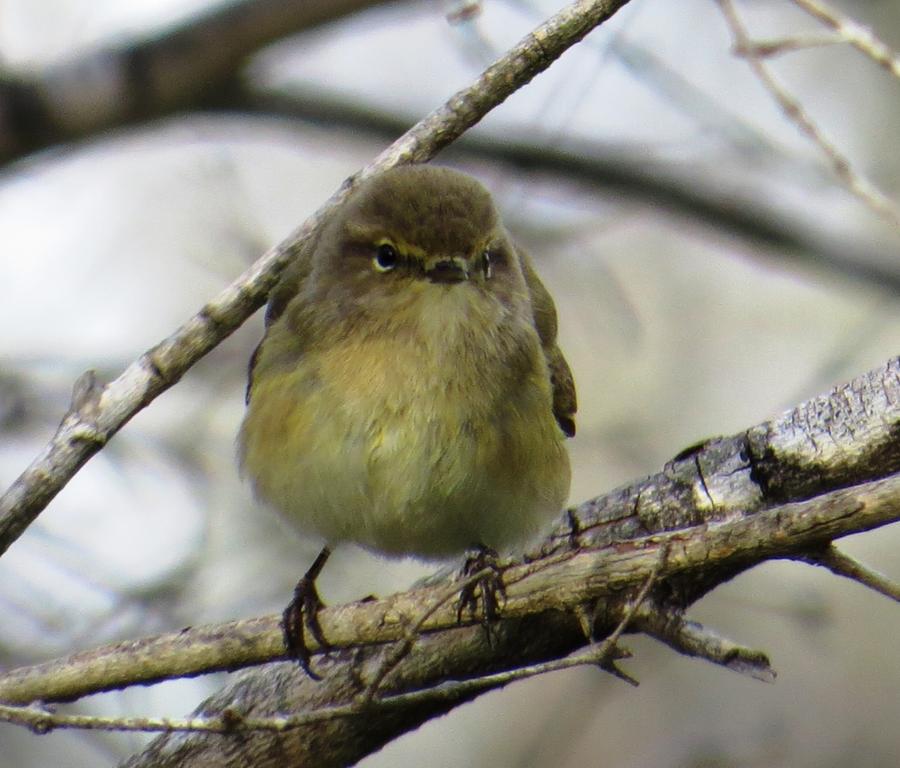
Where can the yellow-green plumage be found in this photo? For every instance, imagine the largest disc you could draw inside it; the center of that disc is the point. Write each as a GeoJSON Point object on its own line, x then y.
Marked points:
{"type": "Point", "coordinates": [408, 409]}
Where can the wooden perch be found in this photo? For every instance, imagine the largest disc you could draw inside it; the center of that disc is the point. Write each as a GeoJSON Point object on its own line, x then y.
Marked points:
{"type": "Point", "coordinates": [783, 489]}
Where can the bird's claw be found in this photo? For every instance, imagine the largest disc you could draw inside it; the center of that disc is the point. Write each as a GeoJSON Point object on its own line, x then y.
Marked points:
{"type": "Point", "coordinates": [488, 589]}
{"type": "Point", "coordinates": [302, 615]}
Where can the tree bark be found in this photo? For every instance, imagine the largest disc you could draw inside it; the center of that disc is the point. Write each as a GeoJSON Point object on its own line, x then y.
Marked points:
{"type": "Point", "coordinates": [786, 488]}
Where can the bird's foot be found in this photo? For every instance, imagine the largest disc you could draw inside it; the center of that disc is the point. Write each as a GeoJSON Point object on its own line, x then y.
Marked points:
{"type": "Point", "coordinates": [484, 584]}
{"type": "Point", "coordinates": [302, 614]}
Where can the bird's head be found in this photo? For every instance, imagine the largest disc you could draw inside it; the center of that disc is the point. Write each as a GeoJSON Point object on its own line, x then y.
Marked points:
{"type": "Point", "coordinates": [416, 236]}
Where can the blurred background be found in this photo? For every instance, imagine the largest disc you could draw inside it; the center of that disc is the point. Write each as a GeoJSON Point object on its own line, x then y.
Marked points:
{"type": "Point", "coordinates": [709, 269]}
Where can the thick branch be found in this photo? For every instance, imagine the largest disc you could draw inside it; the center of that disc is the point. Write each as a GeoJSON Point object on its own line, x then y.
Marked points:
{"type": "Point", "coordinates": [601, 576]}
{"type": "Point", "coordinates": [98, 413]}
{"type": "Point", "coordinates": [785, 488]}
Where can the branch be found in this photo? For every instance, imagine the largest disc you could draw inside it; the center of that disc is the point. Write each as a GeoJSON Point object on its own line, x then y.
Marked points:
{"type": "Point", "coordinates": [609, 170]}
{"type": "Point", "coordinates": [848, 31]}
{"type": "Point", "coordinates": [42, 720]}
{"type": "Point", "coordinates": [97, 413]}
{"type": "Point", "coordinates": [587, 574]}
{"type": "Point", "coordinates": [795, 112]}
{"type": "Point", "coordinates": [159, 75]}
{"type": "Point", "coordinates": [782, 489]}
{"type": "Point", "coordinates": [842, 564]}
{"type": "Point", "coordinates": [689, 638]}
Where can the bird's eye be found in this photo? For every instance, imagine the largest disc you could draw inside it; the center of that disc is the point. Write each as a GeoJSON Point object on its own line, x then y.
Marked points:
{"type": "Point", "coordinates": [386, 257]}
{"type": "Point", "coordinates": [486, 260]}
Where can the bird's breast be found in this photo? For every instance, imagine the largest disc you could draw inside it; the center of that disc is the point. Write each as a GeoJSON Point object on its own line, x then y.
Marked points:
{"type": "Point", "coordinates": [424, 443]}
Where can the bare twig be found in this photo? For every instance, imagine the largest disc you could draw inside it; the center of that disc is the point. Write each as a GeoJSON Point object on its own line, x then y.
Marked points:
{"type": "Point", "coordinates": [404, 646]}
{"type": "Point", "coordinates": [606, 651]}
{"type": "Point", "coordinates": [855, 34]}
{"type": "Point", "coordinates": [43, 721]}
{"type": "Point", "coordinates": [794, 111]}
{"type": "Point", "coordinates": [163, 365]}
{"type": "Point", "coordinates": [780, 45]}
{"type": "Point", "coordinates": [669, 626]}
{"type": "Point", "coordinates": [842, 564]}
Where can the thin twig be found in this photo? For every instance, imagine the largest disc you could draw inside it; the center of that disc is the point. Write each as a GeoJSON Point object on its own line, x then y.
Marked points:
{"type": "Point", "coordinates": [854, 34]}
{"type": "Point", "coordinates": [42, 721]}
{"type": "Point", "coordinates": [606, 651]}
{"type": "Point", "coordinates": [669, 625]}
{"type": "Point", "coordinates": [794, 111]}
{"type": "Point", "coordinates": [404, 646]}
{"type": "Point", "coordinates": [780, 45]}
{"type": "Point", "coordinates": [842, 564]}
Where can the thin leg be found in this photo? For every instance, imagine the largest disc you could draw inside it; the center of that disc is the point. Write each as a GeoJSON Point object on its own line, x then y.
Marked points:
{"type": "Point", "coordinates": [303, 611]}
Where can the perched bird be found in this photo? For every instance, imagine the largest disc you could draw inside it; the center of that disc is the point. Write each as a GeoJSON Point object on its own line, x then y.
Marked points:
{"type": "Point", "coordinates": [409, 395]}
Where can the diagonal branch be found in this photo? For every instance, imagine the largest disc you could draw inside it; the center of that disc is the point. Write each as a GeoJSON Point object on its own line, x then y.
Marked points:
{"type": "Point", "coordinates": [842, 564]}
{"type": "Point", "coordinates": [614, 171]}
{"type": "Point", "coordinates": [97, 413]}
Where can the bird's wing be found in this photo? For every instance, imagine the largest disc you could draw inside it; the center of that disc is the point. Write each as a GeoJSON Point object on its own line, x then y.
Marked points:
{"type": "Point", "coordinates": [565, 403]}
{"type": "Point", "coordinates": [285, 289]}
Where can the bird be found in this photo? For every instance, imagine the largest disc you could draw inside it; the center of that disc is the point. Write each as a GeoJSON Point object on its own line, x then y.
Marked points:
{"type": "Point", "coordinates": [409, 394]}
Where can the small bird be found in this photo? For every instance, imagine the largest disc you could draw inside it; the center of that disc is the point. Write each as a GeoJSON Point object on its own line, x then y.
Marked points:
{"type": "Point", "coordinates": [409, 395]}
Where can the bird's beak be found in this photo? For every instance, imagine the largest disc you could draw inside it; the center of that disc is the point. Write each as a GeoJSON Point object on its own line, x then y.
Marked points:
{"type": "Point", "coordinates": [449, 271]}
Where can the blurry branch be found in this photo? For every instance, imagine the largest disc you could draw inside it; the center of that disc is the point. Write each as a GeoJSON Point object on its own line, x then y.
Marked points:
{"type": "Point", "coordinates": [777, 46]}
{"type": "Point", "coordinates": [635, 558]}
{"type": "Point", "coordinates": [174, 70]}
{"type": "Point", "coordinates": [793, 110]}
{"type": "Point", "coordinates": [98, 412]}
{"type": "Point", "coordinates": [708, 111]}
{"type": "Point", "coordinates": [848, 31]}
{"type": "Point", "coordinates": [712, 114]}
{"type": "Point", "coordinates": [199, 64]}
{"type": "Point", "coordinates": [607, 170]}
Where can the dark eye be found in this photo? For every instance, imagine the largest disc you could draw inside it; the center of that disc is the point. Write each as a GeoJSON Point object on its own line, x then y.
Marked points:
{"type": "Point", "coordinates": [386, 257]}
{"type": "Point", "coordinates": [486, 260]}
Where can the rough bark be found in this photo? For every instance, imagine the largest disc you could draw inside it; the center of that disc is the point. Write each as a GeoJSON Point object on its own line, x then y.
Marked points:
{"type": "Point", "coordinates": [783, 489]}
{"type": "Point", "coordinates": [786, 488]}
